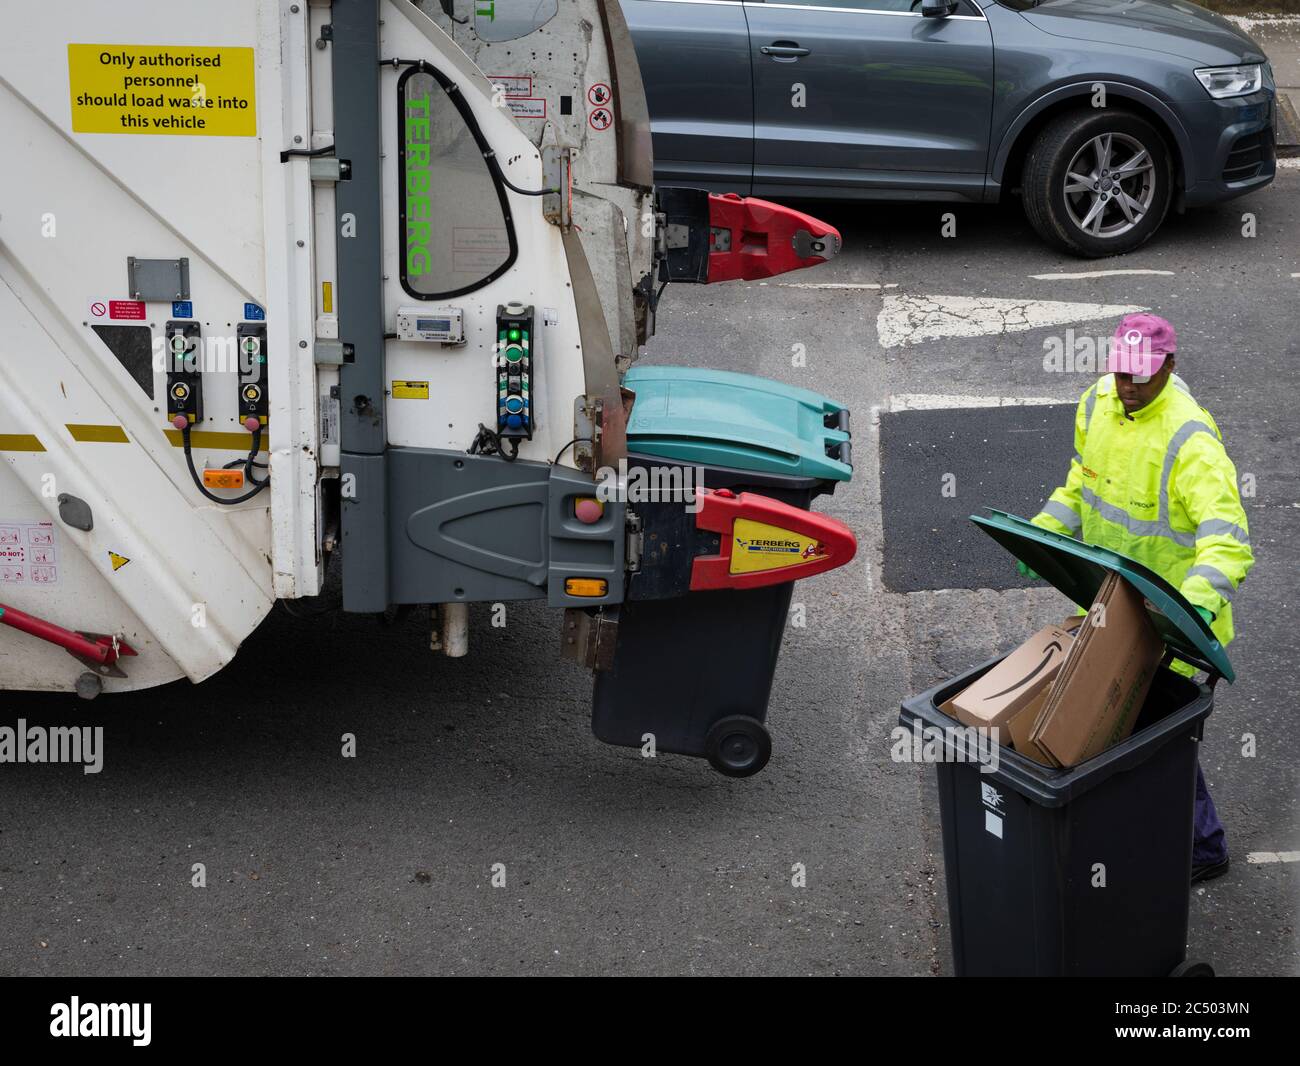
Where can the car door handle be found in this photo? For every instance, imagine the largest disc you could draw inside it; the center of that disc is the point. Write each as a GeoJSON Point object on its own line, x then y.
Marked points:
{"type": "Point", "coordinates": [784, 50]}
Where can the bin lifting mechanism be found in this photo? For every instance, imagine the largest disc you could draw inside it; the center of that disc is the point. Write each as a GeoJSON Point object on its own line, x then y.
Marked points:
{"type": "Point", "coordinates": [765, 542]}
{"type": "Point", "coordinates": [99, 651]}
{"type": "Point", "coordinates": [751, 238]}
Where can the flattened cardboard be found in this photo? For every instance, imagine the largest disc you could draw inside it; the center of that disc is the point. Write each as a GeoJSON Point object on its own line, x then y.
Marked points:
{"type": "Point", "coordinates": [1017, 681]}
{"type": "Point", "coordinates": [1100, 688]}
{"type": "Point", "coordinates": [1021, 726]}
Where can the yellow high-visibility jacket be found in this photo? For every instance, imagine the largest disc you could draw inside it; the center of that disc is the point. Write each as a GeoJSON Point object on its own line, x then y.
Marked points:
{"type": "Point", "coordinates": [1157, 487]}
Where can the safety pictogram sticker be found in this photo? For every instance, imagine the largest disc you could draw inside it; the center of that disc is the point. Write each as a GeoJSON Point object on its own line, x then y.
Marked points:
{"type": "Point", "coordinates": [600, 119]}
{"type": "Point", "coordinates": [117, 561]}
{"type": "Point", "coordinates": [98, 309]}
{"type": "Point", "coordinates": [600, 94]}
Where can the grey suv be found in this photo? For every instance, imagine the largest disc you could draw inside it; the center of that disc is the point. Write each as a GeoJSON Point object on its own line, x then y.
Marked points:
{"type": "Point", "coordinates": [1101, 113]}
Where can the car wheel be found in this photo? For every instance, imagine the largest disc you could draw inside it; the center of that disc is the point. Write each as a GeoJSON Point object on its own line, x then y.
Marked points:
{"type": "Point", "coordinates": [1097, 184]}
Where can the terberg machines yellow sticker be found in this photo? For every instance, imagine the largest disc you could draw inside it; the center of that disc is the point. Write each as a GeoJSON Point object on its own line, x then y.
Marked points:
{"type": "Point", "coordinates": [759, 546]}
{"type": "Point", "coordinates": [172, 89]}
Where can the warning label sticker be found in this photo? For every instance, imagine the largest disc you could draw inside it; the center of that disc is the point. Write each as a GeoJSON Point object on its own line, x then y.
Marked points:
{"type": "Point", "coordinates": [29, 553]}
{"type": "Point", "coordinates": [132, 309]}
{"type": "Point", "coordinates": [410, 390]}
{"type": "Point", "coordinates": [513, 85]}
{"type": "Point", "coordinates": [529, 107]}
{"type": "Point", "coordinates": [162, 89]}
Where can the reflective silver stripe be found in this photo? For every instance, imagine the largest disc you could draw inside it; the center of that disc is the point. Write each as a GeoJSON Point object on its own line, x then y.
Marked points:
{"type": "Point", "coordinates": [1217, 578]}
{"type": "Point", "coordinates": [1078, 458]}
{"type": "Point", "coordinates": [1067, 516]}
{"type": "Point", "coordinates": [1089, 402]}
{"type": "Point", "coordinates": [1221, 527]}
{"type": "Point", "coordinates": [1181, 436]}
{"type": "Point", "coordinates": [1139, 527]}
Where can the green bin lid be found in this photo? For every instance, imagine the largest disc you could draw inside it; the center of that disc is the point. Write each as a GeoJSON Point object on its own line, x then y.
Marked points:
{"type": "Point", "coordinates": [1079, 569]}
{"type": "Point", "coordinates": [721, 418]}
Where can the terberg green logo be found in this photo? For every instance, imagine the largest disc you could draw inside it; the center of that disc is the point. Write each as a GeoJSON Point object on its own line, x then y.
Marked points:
{"type": "Point", "coordinates": [418, 210]}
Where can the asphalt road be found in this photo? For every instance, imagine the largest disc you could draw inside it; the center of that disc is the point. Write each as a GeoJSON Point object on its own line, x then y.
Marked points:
{"type": "Point", "coordinates": [384, 863]}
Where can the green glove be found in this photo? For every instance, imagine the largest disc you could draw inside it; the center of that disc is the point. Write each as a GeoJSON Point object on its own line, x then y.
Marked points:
{"type": "Point", "coordinates": [1205, 614]}
{"type": "Point", "coordinates": [1024, 571]}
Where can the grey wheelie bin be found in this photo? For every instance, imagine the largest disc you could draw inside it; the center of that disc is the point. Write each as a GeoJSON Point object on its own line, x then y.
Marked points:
{"type": "Point", "coordinates": [1026, 847]}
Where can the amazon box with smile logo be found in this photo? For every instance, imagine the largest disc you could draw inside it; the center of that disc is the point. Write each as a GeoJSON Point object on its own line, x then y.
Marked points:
{"type": "Point", "coordinates": [1101, 687]}
{"type": "Point", "coordinates": [1009, 696]}
{"type": "Point", "coordinates": [1063, 697]}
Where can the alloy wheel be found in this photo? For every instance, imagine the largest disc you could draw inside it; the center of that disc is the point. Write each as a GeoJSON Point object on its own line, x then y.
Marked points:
{"type": "Point", "coordinates": [1109, 185]}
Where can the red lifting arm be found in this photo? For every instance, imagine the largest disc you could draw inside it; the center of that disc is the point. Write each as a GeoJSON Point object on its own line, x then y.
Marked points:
{"type": "Point", "coordinates": [751, 238]}
{"type": "Point", "coordinates": [94, 649]}
{"type": "Point", "coordinates": [766, 542]}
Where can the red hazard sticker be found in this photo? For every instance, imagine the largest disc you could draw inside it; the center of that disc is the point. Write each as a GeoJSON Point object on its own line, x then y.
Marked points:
{"type": "Point", "coordinates": [600, 119]}
{"type": "Point", "coordinates": [98, 309]}
{"type": "Point", "coordinates": [132, 309]}
{"type": "Point", "coordinates": [600, 94]}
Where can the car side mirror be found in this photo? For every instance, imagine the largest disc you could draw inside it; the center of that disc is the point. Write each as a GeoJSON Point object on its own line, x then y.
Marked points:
{"type": "Point", "coordinates": [937, 9]}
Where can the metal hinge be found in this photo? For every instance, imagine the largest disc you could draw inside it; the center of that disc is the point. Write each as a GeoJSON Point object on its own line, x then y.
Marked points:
{"type": "Point", "coordinates": [329, 168]}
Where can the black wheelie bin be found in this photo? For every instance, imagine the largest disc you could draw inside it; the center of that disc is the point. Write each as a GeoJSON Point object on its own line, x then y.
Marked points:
{"type": "Point", "coordinates": [1081, 871]}
{"type": "Point", "coordinates": [695, 668]}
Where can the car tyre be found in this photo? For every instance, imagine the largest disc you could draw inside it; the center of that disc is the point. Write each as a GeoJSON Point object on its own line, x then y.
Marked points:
{"type": "Point", "coordinates": [1097, 183]}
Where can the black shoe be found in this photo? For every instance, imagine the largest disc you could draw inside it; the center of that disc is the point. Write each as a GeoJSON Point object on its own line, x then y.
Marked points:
{"type": "Point", "coordinates": [1209, 871]}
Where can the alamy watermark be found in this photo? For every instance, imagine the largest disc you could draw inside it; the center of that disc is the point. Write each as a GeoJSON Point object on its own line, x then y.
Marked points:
{"type": "Point", "coordinates": [651, 484]}
{"type": "Point", "coordinates": [956, 743]}
{"type": "Point", "coordinates": [25, 743]}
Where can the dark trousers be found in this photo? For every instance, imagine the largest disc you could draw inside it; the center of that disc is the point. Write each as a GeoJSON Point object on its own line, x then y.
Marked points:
{"type": "Point", "coordinates": [1209, 846]}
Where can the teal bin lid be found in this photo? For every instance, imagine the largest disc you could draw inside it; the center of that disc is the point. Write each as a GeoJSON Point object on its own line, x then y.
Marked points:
{"type": "Point", "coordinates": [1078, 570]}
{"type": "Point", "coordinates": [720, 418]}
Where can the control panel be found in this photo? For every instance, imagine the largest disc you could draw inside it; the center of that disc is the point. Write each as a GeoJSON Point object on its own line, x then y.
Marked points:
{"type": "Point", "coordinates": [443, 325]}
{"type": "Point", "coordinates": [514, 371]}
{"type": "Point", "coordinates": [252, 375]}
{"type": "Point", "coordinates": [184, 373]}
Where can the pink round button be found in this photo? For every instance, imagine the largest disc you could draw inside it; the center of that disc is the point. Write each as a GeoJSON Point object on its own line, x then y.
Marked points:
{"type": "Point", "coordinates": [252, 424]}
{"type": "Point", "coordinates": [180, 421]}
{"type": "Point", "coordinates": [588, 510]}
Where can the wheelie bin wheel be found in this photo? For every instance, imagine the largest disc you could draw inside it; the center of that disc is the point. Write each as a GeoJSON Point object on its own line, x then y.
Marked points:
{"type": "Point", "coordinates": [1188, 968]}
{"type": "Point", "coordinates": [738, 746]}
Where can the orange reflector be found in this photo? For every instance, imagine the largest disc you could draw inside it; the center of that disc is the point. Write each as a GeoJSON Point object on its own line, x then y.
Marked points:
{"type": "Point", "coordinates": [223, 479]}
{"type": "Point", "coordinates": [585, 586]}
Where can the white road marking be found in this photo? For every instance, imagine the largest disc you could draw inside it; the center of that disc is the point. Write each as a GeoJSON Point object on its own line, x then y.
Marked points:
{"type": "Point", "coordinates": [1273, 856]}
{"type": "Point", "coordinates": [1290, 162]}
{"type": "Point", "coordinates": [1250, 23]}
{"type": "Point", "coordinates": [1099, 274]}
{"type": "Point", "coordinates": [1295, 275]}
{"type": "Point", "coordinates": [833, 285]}
{"type": "Point", "coordinates": [907, 319]}
{"type": "Point", "coordinates": [925, 401]}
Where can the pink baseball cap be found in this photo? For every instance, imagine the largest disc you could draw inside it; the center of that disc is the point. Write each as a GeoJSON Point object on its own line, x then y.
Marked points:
{"type": "Point", "coordinates": [1140, 345]}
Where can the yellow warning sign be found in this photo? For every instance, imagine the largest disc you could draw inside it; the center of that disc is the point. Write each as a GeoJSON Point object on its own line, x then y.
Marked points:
{"type": "Point", "coordinates": [410, 390]}
{"type": "Point", "coordinates": [118, 561]}
{"type": "Point", "coordinates": [759, 546]}
{"type": "Point", "coordinates": [176, 89]}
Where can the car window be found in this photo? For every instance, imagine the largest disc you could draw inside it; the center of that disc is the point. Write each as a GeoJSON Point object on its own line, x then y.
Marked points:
{"type": "Point", "coordinates": [856, 5]}
{"type": "Point", "coordinates": [964, 7]}
{"type": "Point", "coordinates": [456, 232]}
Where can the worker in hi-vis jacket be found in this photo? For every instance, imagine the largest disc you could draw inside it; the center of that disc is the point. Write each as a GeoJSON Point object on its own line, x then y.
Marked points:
{"type": "Point", "coordinates": [1150, 479]}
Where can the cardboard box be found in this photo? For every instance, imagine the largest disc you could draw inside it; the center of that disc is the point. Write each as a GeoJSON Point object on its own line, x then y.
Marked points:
{"type": "Point", "coordinates": [1021, 727]}
{"type": "Point", "coordinates": [1070, 691]}
{"type": "Point", "coordinates": [1099, 690]}
{"type": "Point", "coordinates": [1019, 680]}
